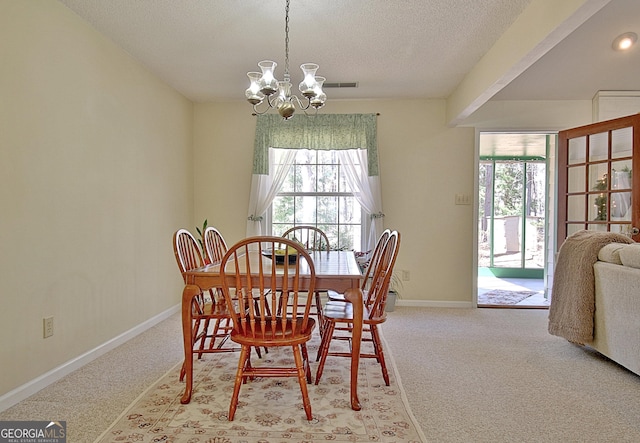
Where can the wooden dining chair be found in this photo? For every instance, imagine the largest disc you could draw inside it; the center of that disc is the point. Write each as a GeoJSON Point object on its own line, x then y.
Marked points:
{"type": "Point", "coordinates": [215, 244]}
{"type": "Point", "coordinates": [245, 270]}
{"type": "Point", "coordinates": [340, 313]}
{"type": "Point", "coordinates": [206, 307]}
{"type": "Point", "coordinates": [313, 239]}
{"type": "Point", "coordinates": [338, 297]}
{"type": "Point", "coordinates": [369, 270]}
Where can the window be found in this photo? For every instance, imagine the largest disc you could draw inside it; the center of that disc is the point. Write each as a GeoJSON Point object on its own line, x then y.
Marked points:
{"type": "Point", "coordinates": [316, 193]}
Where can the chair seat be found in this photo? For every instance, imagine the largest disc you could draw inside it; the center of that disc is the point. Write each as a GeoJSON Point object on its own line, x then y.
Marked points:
{"type": "Point", "coordinates": [337, 311]}
{"type": "Point", "coordinates": [275, 334]}
{"type": "Point", "coordinates": [337, 296]}
{"type": "Point", "coordinates": [213, 310]}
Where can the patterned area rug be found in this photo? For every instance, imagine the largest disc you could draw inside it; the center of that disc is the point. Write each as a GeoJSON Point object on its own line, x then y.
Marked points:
{"type": "Point", "coordinates": [502, 297]}
{"type": "Point", "coordinates": [270, 409]}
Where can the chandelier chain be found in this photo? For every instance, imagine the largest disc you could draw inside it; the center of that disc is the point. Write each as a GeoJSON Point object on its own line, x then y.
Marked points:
{"type": "Point", "coordinates": [286, 42]}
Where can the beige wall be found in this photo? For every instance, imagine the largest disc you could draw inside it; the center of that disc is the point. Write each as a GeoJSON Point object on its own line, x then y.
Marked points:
{"type": "Point", "coordinates": [423, 164]}
{"type": "Point", "coordinates": [95, 175]}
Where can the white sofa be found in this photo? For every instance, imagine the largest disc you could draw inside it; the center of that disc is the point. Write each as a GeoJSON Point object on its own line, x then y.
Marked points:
{"type": "Point", "coordinates": [617, 304]}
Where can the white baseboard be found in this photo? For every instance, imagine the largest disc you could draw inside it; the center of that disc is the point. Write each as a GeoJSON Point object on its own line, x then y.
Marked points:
{"type": "Point", "coordinates": [435, 304]}
{"type": "Point", "coordinates": [28, 389]}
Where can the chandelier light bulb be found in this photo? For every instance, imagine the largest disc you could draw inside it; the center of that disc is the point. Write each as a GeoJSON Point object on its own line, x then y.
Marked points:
{"type": "Point", "coordinates": [308, 84]}
{"type": "Point", "coordinates": [319, 97]}
{"type": "Point", "coordinates": [253, 94]}
{"type": "Point", "coordinates": [268, 83]}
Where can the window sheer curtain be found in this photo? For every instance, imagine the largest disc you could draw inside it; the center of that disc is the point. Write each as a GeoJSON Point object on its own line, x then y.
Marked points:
{"type": "Point", "coordinates": [355, 134]}
{"type": "Point", "coordinates": [264, 188]}
{"type": "Point", "coordinates": [367, 190]}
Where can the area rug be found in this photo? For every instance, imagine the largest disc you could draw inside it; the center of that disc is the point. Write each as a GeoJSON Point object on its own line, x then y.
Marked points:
{"type": "Point", "coordinates": [503, 297]}
{"type": "Point", "coordinates": [270, 409]}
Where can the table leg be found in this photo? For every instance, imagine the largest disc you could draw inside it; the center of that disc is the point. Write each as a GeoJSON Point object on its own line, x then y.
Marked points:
{"type": "Point", "coordinates": [189, 292]}
{"type": "Point", "coordinates": [354, 296]}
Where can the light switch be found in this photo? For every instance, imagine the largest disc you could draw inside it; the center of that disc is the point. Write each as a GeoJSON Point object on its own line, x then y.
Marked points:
{"type": "Point", "coordinates": [463, 199]}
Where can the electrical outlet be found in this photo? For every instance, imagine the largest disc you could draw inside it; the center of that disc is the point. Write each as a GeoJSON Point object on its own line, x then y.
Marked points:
{"type": "Point", "coordinates": [47, 324]}
{"type": "Point", "coordinates": [406, 275]}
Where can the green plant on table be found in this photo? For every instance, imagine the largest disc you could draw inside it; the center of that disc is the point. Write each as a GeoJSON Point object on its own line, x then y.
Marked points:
{"type": "Point", "coordinates": [201, 239]}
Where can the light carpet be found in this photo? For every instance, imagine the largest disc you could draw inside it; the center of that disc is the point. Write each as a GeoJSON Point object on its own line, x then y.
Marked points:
{"type": "Point", "coordinates": [270, 409]}
{"type": "Point", "coordinates": [503, 297]}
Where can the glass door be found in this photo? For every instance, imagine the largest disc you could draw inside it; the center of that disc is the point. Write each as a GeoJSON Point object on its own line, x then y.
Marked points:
{"type": "Point", "coordinates": [512, 219]}
{"type": "Point", "coordinates": [596, 180]}
{"type": "Point", "coordinates": [512, 205]}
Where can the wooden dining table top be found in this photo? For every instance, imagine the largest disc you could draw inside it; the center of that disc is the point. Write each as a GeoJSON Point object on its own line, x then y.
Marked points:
{"type": "Point", "coordinates": [335, 270]}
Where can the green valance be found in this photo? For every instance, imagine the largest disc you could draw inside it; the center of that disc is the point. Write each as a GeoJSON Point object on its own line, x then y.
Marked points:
{"type": "Point", "coordinates": [320, 132]}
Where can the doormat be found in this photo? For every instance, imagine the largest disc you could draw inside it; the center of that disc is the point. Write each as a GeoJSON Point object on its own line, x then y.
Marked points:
{"type": "Point", "coordinates": [502, 297]}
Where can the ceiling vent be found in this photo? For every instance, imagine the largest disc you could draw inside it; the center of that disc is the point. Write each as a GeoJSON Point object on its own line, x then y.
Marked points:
{"type": "Point", "coordinates": [340, 85]}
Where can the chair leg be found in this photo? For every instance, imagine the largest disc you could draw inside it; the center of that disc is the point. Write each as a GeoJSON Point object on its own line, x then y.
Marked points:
{"type": "Point", "coordinates": [240, 377]}
{"type": "Point", "coordinates": [203, 336]}
{"type": "Point", "coordinates": [324, 348]}
{"type": "Point", "coordinates": [377, 346]}
{"type": "Point", "coordinates": [322, 337]}
{"type": "Point", "coordinates": [305, 360]}
{"type": "Point", "coordinates": [302, 381]}
{"type": "Point", "coordinates": [319, 312]}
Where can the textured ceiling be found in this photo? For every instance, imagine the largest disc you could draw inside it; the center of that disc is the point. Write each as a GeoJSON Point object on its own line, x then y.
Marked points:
{"type": "Point", "coordinates": [584, 62]}
{"type": "Point", "coordinates": [392, 49]}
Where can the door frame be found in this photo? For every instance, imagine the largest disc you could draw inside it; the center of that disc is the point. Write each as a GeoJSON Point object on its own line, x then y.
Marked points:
{"type": "Point", "coordinates": [550, 201]}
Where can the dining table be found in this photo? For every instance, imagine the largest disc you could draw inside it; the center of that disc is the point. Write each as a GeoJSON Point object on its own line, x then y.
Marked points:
{"type": "Point", "coordinates": [334, 270]}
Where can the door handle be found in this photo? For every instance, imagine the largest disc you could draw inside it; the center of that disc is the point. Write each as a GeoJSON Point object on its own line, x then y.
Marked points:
{"type": "Point", "coordinates": [635, 231]}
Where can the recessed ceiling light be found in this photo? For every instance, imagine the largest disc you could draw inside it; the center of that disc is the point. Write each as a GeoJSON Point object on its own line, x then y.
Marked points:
{"type": "Point", "coordinates": [625, 41]}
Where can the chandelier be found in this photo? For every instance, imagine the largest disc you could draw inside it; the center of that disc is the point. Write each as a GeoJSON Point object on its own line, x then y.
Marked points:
{"type": "Point", "coordinates": [276, 94]}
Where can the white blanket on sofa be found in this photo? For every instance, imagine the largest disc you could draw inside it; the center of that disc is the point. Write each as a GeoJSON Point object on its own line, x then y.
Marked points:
{"type": "Point", "coordinates": [573, 291]}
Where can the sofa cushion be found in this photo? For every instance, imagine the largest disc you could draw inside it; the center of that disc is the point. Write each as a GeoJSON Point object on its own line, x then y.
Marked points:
{"type": "Point", "coordinates": [610, 253]}
{"type": "Point", "coordinates": [630, 255]}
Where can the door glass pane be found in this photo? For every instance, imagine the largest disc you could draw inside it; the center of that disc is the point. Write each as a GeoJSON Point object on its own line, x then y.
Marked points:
{"type": "Point", "coordinates": [624, 228]}
{"type": "Point", "coordinates": [534, 212]}
{"type": "Point", "coordinates": [485, 205]}
{"type": "Point", "coordinates": [575, 208]}
{"type": "Point", "coordinates": [621, 172]}
{"type": "Point", "coordinates": [576, 179]}
{"type": "Point", "coordinates": [509, 182]}
{"type": "Point", "coordinates": [621, 142]}
{"type": "Point", "coordinates": [598, 146]}
{"type": "Point", "coordinates": [598, 177]}
{"type": "Point", "coordinates": [572, 229]}
{"type": "Point", "coordinates": [577, 150]}
{"type": "Point", "coordinates": [598, 207]}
